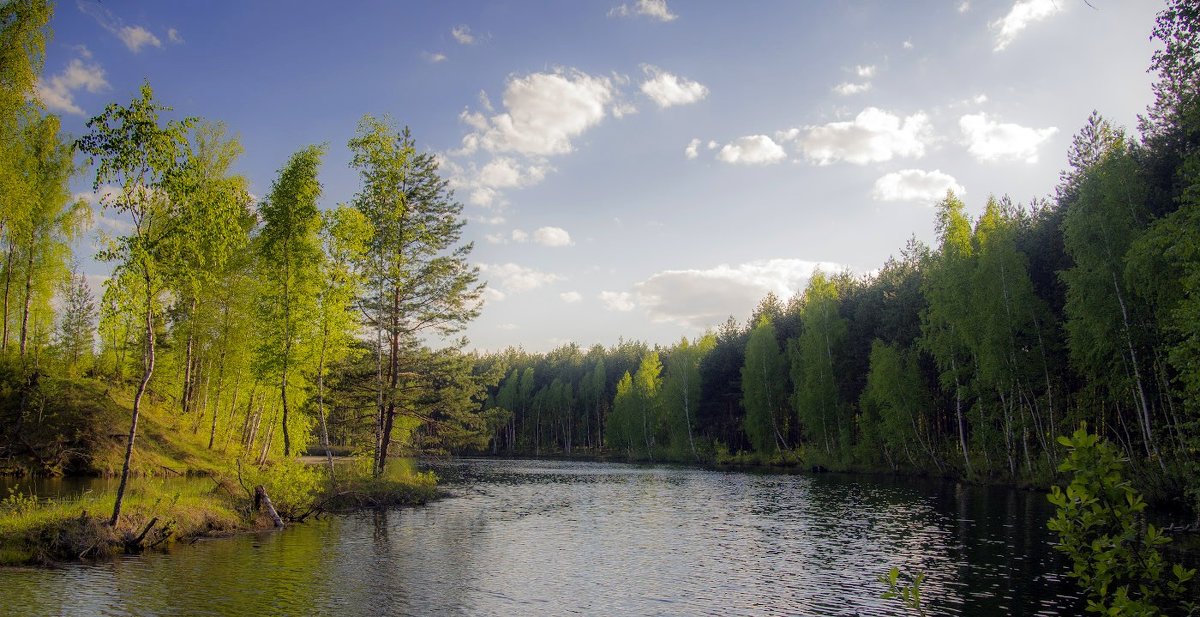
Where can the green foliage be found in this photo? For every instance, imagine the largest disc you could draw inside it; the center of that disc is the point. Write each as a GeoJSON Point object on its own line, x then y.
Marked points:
{"type": "Point", "coordinates": [907, 593]}
{"type": "Point", "coordinates": [18, 503]}
{"type": "Point", "coordinates": [290, 257]}
{"type": "Point", "coordinates": [813, 353]}
{"type": "Point", "coordinates": [293, 486]}
{"type": "Point", "coordinates": [1100, 524]}
{"type": "Point", "coordinates": [764, 388]}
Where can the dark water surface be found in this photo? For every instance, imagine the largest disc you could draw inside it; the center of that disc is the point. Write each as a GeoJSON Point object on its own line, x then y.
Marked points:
{"type": "Point", "coordinates": [576, 538]}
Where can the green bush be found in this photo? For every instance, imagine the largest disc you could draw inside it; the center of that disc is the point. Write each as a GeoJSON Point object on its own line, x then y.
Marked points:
{"type": "Point", "coordinates": [1102, 528]}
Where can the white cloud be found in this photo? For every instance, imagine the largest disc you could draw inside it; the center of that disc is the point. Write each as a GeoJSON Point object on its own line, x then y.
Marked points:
{"type": "Point", "coordinates": [666, 89]}
{"type": "Point", "coordinates": [491, 294]}
{"type": "Point", "coordinates": [57, 92]}
{"type": "Point", "coordinates": [514, 278]}
{"type": "Point", "coordinates": [495, 239]}
{"type": "Point", "coordinates": [620, 301]}
{"type": "Point", "coordinates": [503, 173]}
{"type": "Point", "coordinates": [692, 150]}
{"type": "Point", "coordinates": [874, 136]}
{"type": "Point", "coordinates": [507, 326]}
{"type": "Point", "coordinates": [989, 140]}
{"type": "Point", "coordinates": [848, 88]}
{"type": "Point", "coordinates": [544, 111]}
{"type": "Point", "coordinates": [865, 72]}
{"type": "Point", "coordinates": [654, 9]}
{"type": "Point", "coordinates": [915, 185]}
{"type": "Point", "coordinates": [1022, 14]}
{"type": "Point", "coordinates": [174, 36]}
{"type": "Point", "coordinates": [751, 150]}
{"type": "Point", "coordinates": [552, 236]}
{"type": "Point", "coordinates": [908, 44]}
{"type": "Point", "coordinates": [964, 6]}
{"type": "Point", "coordinates": [137, 37]}
{"type": "Point", "coordinates": [483, 184]}
{"type": "Point", "coordinates": [780, 136]}
{"type": "Point", "coordinates": [704, 298]}
{"type": "Point", "coordinates": [462, 34]}
{"type": "Point", "coordinates": [571, 297]}
{"type": "Point", "coordinates": [519, 236]}
{"type": "Point", "coordinates": [620, 110]}
{"type": "Point", "coordinates": [134, 37]}
{"type": "Point", "coordinates": [434, 57]}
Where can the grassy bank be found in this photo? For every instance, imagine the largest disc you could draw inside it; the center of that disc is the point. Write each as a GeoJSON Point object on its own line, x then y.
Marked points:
{"type": "Point", "coordinates": [180, 490]}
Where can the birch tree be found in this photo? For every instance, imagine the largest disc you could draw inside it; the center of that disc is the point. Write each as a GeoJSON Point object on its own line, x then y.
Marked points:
{"type": "Point", "coordinates": [138, 154]}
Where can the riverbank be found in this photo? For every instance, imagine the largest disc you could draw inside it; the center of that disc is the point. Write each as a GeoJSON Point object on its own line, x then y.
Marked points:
{"type": "Point", "coordinates": [160, 512]}
{"type": "Point", "coordinates": [181, 487]}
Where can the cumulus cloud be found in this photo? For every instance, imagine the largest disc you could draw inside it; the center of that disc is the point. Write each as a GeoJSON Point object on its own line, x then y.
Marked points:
{"type": "Point", "coordinates": [571, 297]}
{"type": "Point", "coordinates": [666, 89]}
{"type": "Point", "coordinates": [433, 57]}
{"type": "Point", "coordinates": [174, 36]}
{"type": "Point", "coordinates": [57, 92]}
{"type": "Point", "coordinates": [874, 136]}
{"type": "Point", "coordinates": [848, 88]}
{"type": "Point", "coordinates": [504, 173]}
{"type": "Point", "coordinates": [1020, 16]}
{"type": "Point", "coordinates": [483, 185]}
{"type": "Point", "coordinates": [692, 150]}
{"type": "Point", "coordinates": [462, 34]}
{"type": "Point", "coordinates": [514, 278]}
{"type": "Point", "coordinates": [751, 150]}
{"type": "Point", "coordinates": [552, 236]}
{"type": "Point", "coordinates": [519, 236]}
{"type": "Point", "coordinates": [543, 113]}
{"type": "Point", "coordinates": [865, 72]}
{"type": "Point", "coordinates": [620, 301]}
{"type": "Point", "coordinates": [989, 140]}
{"type": "Point", "coordinates": [654, 9]}
{"type": "Point", "coordinates": [705, 298]}
{"type": "Point", "coordinates": [915, 185]}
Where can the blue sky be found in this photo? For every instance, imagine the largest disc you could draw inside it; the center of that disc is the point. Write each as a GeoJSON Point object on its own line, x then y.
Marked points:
{"type": "Point", "coordinates": [638, 169]}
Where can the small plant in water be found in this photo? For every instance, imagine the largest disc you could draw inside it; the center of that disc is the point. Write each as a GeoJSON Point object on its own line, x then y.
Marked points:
{"type": "Point", "coordinates": [907, 593]}
{"type": "Point", "coordinates": [18, 503]}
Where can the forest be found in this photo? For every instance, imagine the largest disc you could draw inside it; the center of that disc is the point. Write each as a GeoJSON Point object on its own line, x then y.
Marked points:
{"type": "Point", "coordinates": [271, 328]}
{"type": "Point", "coordinates": [963, 359]}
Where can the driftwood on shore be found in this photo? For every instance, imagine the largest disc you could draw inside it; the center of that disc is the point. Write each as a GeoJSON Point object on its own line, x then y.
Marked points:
{"type": "Point", "coordinates": [261, 500]}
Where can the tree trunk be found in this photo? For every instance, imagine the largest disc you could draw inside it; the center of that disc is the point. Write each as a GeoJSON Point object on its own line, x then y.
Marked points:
{"type": "Point", "coordinates": [148, 370]}
{"type": "Point", "coordinates": [321, 401]}
{"type": "Point", "coordinates": [261, 501]}
{"type": "Point", "coordinates": [962, 427]}
{"type": "Point", "coordinates": [189, 358]}
{"type": "Point", "coordinates": [7, 287]}
{"type": "Point", "coordinates": [28, 298]}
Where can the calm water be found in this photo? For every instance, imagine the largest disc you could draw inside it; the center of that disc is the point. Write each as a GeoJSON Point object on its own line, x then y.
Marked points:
{"type": "Point", "coordinates": [563, 538]}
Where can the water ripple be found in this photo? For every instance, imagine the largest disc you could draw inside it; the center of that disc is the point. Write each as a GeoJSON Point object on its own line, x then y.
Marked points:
{"type": "Point", "coordinates": [567, 538]}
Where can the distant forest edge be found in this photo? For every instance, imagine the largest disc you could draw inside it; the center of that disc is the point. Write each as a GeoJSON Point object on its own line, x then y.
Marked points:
{"type": "Point", "coordinates": [968, 358]}
{"type": "Point", "coordinates": [273, 327]}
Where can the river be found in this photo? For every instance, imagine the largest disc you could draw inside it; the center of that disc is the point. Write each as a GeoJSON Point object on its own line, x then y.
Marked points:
{"type": "Point", "coordinates": [582, 538]}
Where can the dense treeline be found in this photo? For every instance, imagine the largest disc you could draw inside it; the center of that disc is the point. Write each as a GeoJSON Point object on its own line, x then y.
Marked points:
{"type": "Point", "coordinates": [256, 321]}
{"type": "Point", "coordinates": [966, 358]}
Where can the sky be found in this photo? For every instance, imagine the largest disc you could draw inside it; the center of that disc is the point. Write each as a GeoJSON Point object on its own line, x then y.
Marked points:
{"type": "Point", "coordinates": [640, 169]}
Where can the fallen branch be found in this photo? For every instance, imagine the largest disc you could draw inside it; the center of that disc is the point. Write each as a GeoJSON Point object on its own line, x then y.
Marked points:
{"type": "Point", "coordinates": [262, 500]}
